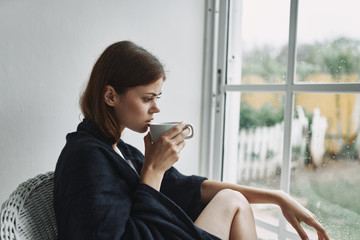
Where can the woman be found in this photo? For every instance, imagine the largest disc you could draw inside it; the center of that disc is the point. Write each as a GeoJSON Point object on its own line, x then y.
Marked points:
{"type": "Point", "coordinates": [107, 189]}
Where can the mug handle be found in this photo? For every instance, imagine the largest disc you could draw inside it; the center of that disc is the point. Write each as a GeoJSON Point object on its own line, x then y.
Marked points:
{"type": "Point", "coordinates": [192, 131]}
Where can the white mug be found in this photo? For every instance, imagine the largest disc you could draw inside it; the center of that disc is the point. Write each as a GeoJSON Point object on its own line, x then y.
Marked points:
{"type": "Point", "coordinates": [158, 129]}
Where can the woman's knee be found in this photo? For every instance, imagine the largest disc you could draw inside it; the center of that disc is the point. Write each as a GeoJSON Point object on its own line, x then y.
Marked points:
{"type": "Point", "coordinates": [228, 210]}
{"type": "Point", "coordinates": [234, 199]}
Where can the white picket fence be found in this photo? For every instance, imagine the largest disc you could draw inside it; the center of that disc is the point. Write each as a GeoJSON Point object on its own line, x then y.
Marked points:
{"type": "Point", "coordinates": [260, 150]}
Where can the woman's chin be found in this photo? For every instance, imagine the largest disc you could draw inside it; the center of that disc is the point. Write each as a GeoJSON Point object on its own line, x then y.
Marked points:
{"type": "Point", "coordinates": [141, 130]}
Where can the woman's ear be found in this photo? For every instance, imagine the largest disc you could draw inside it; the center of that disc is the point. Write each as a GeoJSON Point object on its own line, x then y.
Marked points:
{"type": "Point", "coordinates": [110, 95]}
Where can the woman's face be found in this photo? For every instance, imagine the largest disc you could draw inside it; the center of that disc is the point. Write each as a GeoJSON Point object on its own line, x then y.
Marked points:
{"type": "Point", "coordinates": [135, 108]}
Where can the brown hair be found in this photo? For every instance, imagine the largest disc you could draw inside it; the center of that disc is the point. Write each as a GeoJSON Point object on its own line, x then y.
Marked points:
{"type": "Point", "coordinates": [123, 65]}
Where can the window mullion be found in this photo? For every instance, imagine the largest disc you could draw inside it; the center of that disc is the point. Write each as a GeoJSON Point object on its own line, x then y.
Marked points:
{"type": "Point", "coordinates": [327, 88]}
{"type": "Point", "coordinates": [303, 88]}
{"type": "Point", "coordinates": [256, 88]}
{"type": "Point", "coordinates": [214, 96]}
{"type": "Point", "coordinates": [221, 67]}
{"type": "Point", "coordinates": [289, 102]}
{"type": "Point", "coordinates": [209, 86]}
{"type": "Point", "coordinates": [289, 97]}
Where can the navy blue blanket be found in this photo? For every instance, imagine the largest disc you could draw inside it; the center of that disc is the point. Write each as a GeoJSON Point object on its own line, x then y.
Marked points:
{"type": "Point", "coordinates": [97, 195]}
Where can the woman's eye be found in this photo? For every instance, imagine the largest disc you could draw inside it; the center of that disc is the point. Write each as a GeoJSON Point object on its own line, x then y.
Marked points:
{"type": "Point", "coordinates": [151, 99]}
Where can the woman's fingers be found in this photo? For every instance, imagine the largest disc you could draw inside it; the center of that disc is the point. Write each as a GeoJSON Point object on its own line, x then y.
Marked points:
{"type": "Point", "coordinates": [180, 146]}
{"type": "Point", "coordinates": [182, 135]}
{"type": "Point", "coordinates": [295, 213]}
{"type": "Point", "coordinates": [175, 130]}
{"type": "Point", "coordinates": [179, 132]}
{"type": "Point", "coordinates": [312, 222]}
{"type": "Point", "coordinates": [296, 224]}
{"type": "Point", "coordinates": [147, 140]}
{"type": "Point", "coordinates": [321, 231]}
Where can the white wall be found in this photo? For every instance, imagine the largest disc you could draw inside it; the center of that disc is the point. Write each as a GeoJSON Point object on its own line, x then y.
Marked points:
{"type": "Point", "coordinates": [47, 50]}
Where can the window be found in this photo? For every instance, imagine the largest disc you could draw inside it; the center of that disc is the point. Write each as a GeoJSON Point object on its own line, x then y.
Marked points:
{"type": "Point", "coordinates": [282, 106]}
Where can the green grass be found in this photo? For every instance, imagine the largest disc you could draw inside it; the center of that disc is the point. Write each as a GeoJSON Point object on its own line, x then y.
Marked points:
{"type": "Point", "coordinates": [333, 195]}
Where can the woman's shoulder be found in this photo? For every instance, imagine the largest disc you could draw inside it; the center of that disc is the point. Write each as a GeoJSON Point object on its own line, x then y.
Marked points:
{"type": "Point", "coordinates": [83, 140]}
{"type": "Point", "coordinates": [82, 148]}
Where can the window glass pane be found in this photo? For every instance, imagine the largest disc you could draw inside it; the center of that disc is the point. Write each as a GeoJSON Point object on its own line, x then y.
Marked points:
{"type": "Point", "coordinates": [264, 37]}
{"type": "Point", "coordinates": [258, 142]}
{"type": "Point", "coordinates": [328, 48]}
{"type": "Point", "coordinates": [325, 156]}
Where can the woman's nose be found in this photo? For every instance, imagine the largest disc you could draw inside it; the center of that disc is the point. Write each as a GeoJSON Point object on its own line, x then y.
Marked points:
{"type": "Point", "coordinates": [155, 108]}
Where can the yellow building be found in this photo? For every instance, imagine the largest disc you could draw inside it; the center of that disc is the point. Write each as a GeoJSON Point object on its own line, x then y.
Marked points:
{"type": "Point", "coordinates": [341, 110]}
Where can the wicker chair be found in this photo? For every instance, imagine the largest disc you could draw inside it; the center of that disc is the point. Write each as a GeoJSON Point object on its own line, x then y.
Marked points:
{"type": "Point", "coordinates": [28, 213]}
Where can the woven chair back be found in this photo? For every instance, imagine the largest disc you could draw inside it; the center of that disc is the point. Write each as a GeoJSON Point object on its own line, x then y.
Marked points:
{"type": "Point", "coordinates": [28, 213]}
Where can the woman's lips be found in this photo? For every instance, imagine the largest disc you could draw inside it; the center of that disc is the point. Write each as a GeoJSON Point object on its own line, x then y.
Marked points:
{"type": "Point", "coordinates": [148, 122]}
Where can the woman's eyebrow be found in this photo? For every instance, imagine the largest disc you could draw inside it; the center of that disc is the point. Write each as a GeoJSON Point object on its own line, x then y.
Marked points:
{"type": "Point", "coordinates": [154, 94]}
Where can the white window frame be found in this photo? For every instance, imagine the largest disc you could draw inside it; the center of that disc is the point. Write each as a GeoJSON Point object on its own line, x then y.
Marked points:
{"type": "Point", "coordinates": [220, 19]}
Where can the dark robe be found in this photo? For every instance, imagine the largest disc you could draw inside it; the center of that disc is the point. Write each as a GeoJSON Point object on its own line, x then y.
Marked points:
{"type": "Point", "coordinates": [97, 195]}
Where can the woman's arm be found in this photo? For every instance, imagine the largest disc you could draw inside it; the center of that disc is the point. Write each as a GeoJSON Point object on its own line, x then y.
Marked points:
{"type": "Point", "coordinates": [254, 195]}
{"type": "Point", "coordinates": [292, 210]}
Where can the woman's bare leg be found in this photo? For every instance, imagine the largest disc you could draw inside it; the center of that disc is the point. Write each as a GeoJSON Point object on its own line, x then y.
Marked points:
{"type": "Point", "coordinates": [228, 216]}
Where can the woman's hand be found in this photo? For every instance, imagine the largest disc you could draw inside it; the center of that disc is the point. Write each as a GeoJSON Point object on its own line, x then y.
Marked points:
{"type": "Point", "coordinates": [295, 213]}
{"type": "Point", "coordinates": [162, 154]}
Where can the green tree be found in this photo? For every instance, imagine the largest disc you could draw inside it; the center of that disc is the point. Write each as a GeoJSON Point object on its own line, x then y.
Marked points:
{"type": "Point", "coordinates": [265, 62]}
{"type": "Point", "coordinates": [268, 115]}
{"type": "Point", "coordinates": [337, 57]}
